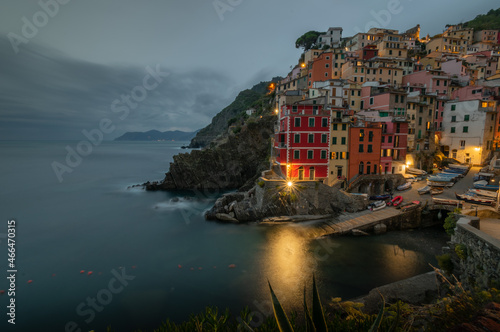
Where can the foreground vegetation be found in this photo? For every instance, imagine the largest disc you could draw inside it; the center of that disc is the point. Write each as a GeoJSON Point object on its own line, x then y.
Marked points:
{"type": "Point", "coordinates": [457, 307]}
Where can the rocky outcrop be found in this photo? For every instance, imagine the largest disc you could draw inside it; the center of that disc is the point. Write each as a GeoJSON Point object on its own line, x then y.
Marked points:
{"type": "Point", "coordinates": [230, 165]}
{"type": "Point", "coordinates": [273, 199]}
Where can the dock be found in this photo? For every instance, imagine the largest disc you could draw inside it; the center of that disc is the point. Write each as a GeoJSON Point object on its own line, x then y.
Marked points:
{"type": "Point", "coordinates": [346, 223]}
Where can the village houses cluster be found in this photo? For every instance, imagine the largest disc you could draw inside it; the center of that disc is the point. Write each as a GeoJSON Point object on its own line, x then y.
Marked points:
{"type": "Point", "coordinates": [382, 101]}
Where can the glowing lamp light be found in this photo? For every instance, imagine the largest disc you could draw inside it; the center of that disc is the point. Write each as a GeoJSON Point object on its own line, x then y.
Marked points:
{"type": "Point", "coordinates": [477, 149]}
{"type": "Point", "coordinates": [276, 111]}
{"type": "Point", "coordinates": [303, 65]}
{"type": "Point", "coordinates": [290, 183]}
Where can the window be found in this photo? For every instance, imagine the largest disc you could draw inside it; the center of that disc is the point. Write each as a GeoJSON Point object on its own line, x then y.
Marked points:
{"type": "Point", "coordinates": [371, 100]}
{"type": "Point", "coordinates": [389, 140]}
{"type": "Point", "coordinates": [327, 65]}
{"type": "Point", "coordinates": [453, 118]}
{"type": "Point", "coordinates": [453, 107]}
{"type": "Point", "coordinates": [297, 122]}
{"type": "Point", "coordinates": [396, 98]}
{"type": "Point", "coordinates": [465, 129]}
{"type": "Point", "coordinates": [344, 126]}
{"type": "Point", "coordinates": [311, 122]}
{"type": "Point", "coordinates": [420, 121]}
{"type": "Point", "coordinates": [361, 135]}
{"type": "Point", "coordinates": [296, 154]}
{"type": "Point", "coordinates": [335, 126]}
{"type": "Point", "coordinates": [466, 117]}
{"type": "Point", "coordinates": [310, 154]}
{"type": "Point", "coordinates": [296, 138]}
{"type": "Point", "coordinates": [462, 144]}
{"type": "Point", "coordinates": [323, 154]}
{"type": "Point", "coordinates": [370, 136]}
{"type": "Point", "coordinates": [360, 148]}
{"type": "Point", "coordinates": [383, 139]}
{"type": "Point", "coordinates": [342, 140]}
{"type": "Point", "coordinates": [437, 82]}
{"type": "Point", "coordinates": [370, 149]}
{"type": "Point", "coordinates": [334, 140]}
{"type": "Point", "coordinates": [452, 130]}
{"type": "Point", "coordinates": [324, 138]}
{"type": "Point", "coordinates": [310, 138]}
{"type": "Point", "coordinates": [324, 122]}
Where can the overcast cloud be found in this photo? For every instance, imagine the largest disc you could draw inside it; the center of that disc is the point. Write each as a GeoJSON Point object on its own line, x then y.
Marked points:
{"type": "Point", "coordinates": [65, 76]}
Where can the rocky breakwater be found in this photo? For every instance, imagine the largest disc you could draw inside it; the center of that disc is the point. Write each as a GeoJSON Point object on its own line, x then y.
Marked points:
{"type": "Point", "coordinates": [233, 162]}
{"type": "Point", "coordinates": [272, 198]}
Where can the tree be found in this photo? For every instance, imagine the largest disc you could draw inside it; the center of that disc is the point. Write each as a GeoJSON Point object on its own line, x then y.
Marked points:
{"type": "Point", "coordinates": [307, 40]}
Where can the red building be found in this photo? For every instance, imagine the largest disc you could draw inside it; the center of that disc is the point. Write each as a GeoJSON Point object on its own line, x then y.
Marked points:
{"type": "Point", "coordinates": [302, 142]}
{"type": "Point", "coordinates": [365, 141]}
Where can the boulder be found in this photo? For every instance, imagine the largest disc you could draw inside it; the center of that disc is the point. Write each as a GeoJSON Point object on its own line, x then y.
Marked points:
{"type": "Point", "coordinates": [225, 217]}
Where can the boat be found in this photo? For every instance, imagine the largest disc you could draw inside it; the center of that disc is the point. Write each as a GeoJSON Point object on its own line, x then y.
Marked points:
{"type": "Point", "coordinates": [443, 178]}
{"type": "Point", "coordinates": [378, 205]}
{"type": "Point", "coordinates": [411, 206]}
{"type": "Point", "coordinates": [380, 197]}
{"type": "Point", "coordinates": [439, 184]}
{"type": "Point", "coordinates": [485, 193]}
{"type": "Point", "coordinates": [482, 176]}
{"type": "Point", "coordinates": [458, 166]}
{"type": "Point", "coordinates": [436, 191]}
{"type": "Point", "coordinates": [415, 171]}
{"type": "Point", "coordinates": [395, 201]}
{"type": "Point", "coordinates": [410, 178]}
{"type": "Point", "coordinates": [424, 190]}
{"type": "Point", "coordinates": [455, 170]}
{"type": "Point", "coordinates": [443, 201]}
{"type": "Point", "coordinates": [483, 185]}
{"type": "Point", "coordinates": [475, 199]}
{"type": "Point", "coordinates": [405, 186]}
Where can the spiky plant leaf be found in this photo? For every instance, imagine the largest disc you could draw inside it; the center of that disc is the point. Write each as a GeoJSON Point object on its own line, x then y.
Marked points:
{"type": "Point", "coordinates": [309, 323]}
{"type": "Point", "coordinates": [376, 324]}
{"type": "Point", "coordinates": [281, 318]}
{"type": "Point", "coordinates": [317, 310]}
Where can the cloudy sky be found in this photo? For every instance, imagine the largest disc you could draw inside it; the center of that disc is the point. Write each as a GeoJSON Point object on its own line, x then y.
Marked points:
{"type": "Point", "coordinates": [67, 64]}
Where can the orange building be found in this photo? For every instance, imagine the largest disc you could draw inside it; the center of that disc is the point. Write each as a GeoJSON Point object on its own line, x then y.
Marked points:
{"type": "Point", "coordinates": [365, 140]}
{"type": "Point", "coordinates": [320, 69]}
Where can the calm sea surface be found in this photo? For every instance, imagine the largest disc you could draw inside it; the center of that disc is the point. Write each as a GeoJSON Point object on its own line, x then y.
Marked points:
{"type": "Point", "coordinates": [153, 259]}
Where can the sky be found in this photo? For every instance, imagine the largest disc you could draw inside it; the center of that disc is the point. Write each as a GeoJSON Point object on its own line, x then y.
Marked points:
{"type": "Point", "coordinates": [65, 65]}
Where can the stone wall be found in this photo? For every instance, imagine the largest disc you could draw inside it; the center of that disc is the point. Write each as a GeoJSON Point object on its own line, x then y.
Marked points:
{"type": "Point", "coordinates": [376, 184]}
{"type": "Point", "coordinates": [478, 261]}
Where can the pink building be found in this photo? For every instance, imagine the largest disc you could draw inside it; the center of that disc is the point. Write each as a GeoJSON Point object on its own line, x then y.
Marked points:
{"type": "Point", "coordinates": [471, 92]}
{"type": "Point", "coordinates": [456, 69]}
{"type": "Point", "coordinates": [432, 80]}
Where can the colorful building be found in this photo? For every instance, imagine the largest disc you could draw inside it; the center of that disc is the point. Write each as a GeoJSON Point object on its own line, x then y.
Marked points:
{"type": "Point", "coordinates": [302, 142]}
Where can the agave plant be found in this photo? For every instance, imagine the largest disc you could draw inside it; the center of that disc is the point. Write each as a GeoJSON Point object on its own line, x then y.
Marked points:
{"type": "Point", "coordinates": [315, 320]}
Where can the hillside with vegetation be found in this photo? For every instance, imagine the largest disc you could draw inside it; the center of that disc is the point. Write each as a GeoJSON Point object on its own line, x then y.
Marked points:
{"type": "Point", "coordinates": [246, 99]}
{"type": "Point", "coordinates": [237, 147]}
{"type": "Point", "coordinates": [489, 21]}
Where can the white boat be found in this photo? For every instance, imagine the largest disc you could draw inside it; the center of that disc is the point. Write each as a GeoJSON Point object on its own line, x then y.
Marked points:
{"type": "Point", "coordinates": [378, 205]}
{"type": "Point", "coordinates": [484, 193]}
{"type": "Point", "coordinates": [415, 171]}
{"type": "Point", "coordinates": [405, 186]}
{"type": "Point", "coordinates": [424, 190]}
{"type": "Point", "coordinates": [439, 184]}
{"type": "Point", "coordinates": [458, 166]}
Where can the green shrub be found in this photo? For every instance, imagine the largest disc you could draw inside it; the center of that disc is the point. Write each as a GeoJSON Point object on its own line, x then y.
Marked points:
{"type": "Point", "coordinates": [261, 183]}
{"type": "Point", "coordinates": [237, 130]}
{"type": "Point", "coordinates": [461, 251]}
{"type": "Point", "coordinates": [445, 263]}
{"type": "Point", "coordinates": [450, 223]}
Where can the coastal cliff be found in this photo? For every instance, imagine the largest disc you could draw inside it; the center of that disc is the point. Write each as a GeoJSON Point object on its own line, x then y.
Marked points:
{"type": "Point", "coordinates": [235, 160]}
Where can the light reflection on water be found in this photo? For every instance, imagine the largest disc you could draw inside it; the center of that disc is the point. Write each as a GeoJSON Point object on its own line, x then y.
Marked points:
{"type": "Point", "coordinates": [91, 222]}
